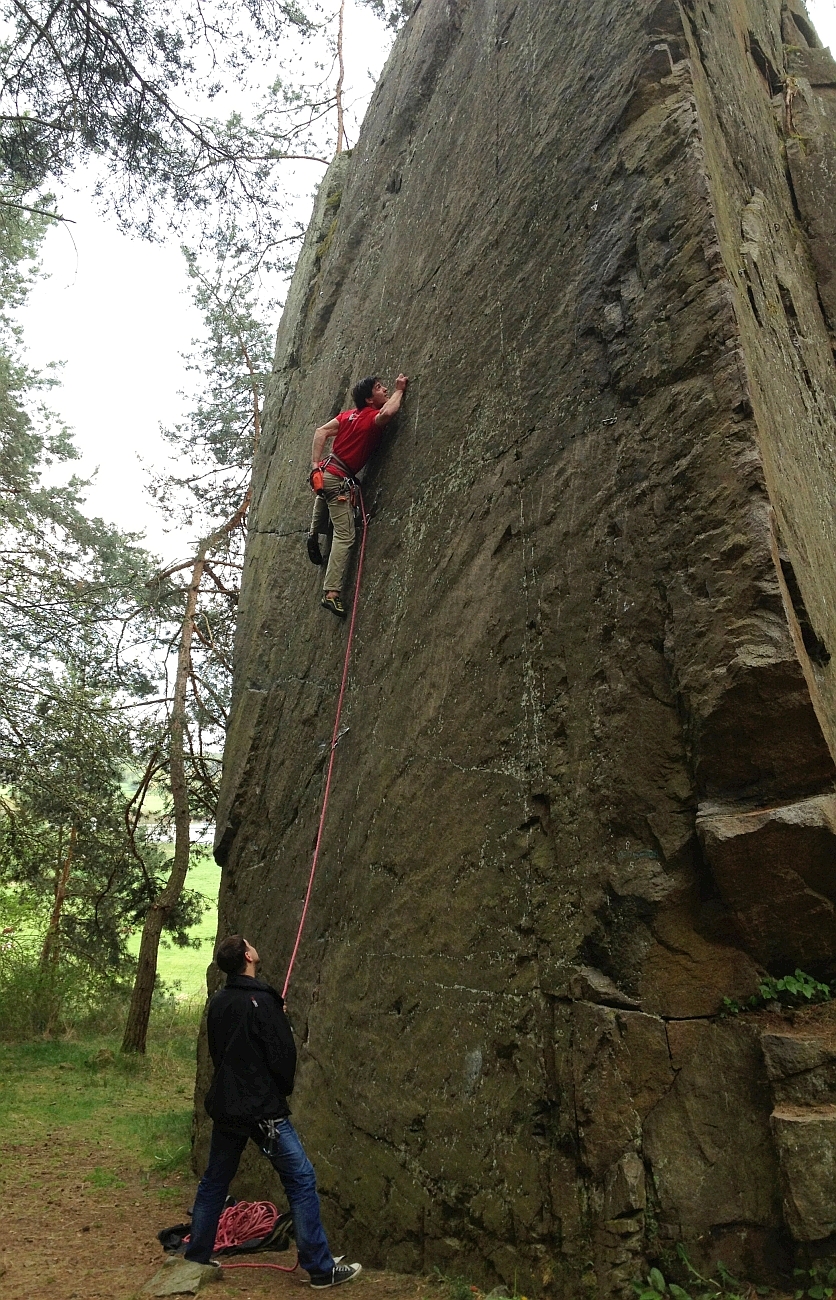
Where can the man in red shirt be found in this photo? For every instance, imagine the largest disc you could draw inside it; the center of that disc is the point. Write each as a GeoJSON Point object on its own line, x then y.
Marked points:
{"type": "Point", "coordinates": [356, 434]}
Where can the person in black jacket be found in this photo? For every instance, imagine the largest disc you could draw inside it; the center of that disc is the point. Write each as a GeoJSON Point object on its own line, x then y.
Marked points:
{"type": "Point", "coordinates": [254, 1056]}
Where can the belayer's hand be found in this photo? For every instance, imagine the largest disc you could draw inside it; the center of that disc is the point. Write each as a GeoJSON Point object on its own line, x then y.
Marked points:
{"type": "Point", "coordinates": [401, 383]}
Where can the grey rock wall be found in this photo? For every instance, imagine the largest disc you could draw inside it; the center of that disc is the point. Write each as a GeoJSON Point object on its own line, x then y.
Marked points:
{"type": "Point", "coordinates": [587, 787]}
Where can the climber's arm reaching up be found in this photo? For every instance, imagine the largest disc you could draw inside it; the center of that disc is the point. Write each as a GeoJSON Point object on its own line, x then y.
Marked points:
{"type": "Point", "coordinates": [392, 405]}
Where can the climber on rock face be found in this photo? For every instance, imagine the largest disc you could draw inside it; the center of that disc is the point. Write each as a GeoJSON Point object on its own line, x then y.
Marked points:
{"type": "Point", "coordinates": [254, 1055]}
{"type": "Point", "coordinates": [356, 435]}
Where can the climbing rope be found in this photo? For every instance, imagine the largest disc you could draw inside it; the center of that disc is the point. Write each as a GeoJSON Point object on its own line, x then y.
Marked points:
{"type": "Point", "coordinates": [335, 736]}
{"type": "Point", "coordinates": [244, 1222]}
{"type": "Point", "coordinates": [279, 1268]}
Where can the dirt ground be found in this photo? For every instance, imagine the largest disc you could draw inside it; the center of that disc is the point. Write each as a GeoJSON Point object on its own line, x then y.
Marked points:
{"type": "Point", "coordinates": [70, 1240]}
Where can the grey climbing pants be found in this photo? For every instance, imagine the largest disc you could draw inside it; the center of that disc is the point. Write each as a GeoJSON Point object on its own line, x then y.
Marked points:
{"type": "Point", "coordinates": [335, 503]}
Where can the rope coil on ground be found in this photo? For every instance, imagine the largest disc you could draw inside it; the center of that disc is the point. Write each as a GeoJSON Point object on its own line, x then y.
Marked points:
{"type": "Point", "coordinates": [335, 736]}
{"type": "Point", "coordinates": [244, 1222]}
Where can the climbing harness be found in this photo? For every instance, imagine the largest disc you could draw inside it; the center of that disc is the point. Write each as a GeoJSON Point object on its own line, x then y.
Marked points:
{"type": "Point", "coordinates": [335, 738]}
{"type": "Point", "coordinates": [342, 470]}
{"type": "Point", "coordinates": [336, 467]}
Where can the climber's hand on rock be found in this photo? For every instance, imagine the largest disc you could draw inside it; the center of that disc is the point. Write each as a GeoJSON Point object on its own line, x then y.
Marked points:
{"type": "Point", "coordinates": [401, 383]}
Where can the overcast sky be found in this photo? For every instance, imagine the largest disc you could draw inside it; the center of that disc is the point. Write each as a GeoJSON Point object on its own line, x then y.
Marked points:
{"type": "Point", "coordinates": [116, 311]}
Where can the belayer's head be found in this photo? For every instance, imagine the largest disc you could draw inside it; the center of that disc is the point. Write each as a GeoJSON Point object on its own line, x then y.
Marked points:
{"type": "Point", "coordinates": [237, 957]}
{"type": "Point", "coordinates": [369, 392]}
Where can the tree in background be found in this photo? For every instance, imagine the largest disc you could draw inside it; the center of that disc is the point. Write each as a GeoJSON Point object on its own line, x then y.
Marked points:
{"type": "Point", "coordinates": [87, 635]}
{"type": "Point", "coordinates": [220, 438]}
{"type": "Point", "coordinates": [67, 849]}
{"type": "Point", "coordinates": [70, 588]}
{"type": "Point", "coordinates": [109, 81]}
{"type": "Point", "coordinates": [392, 12]}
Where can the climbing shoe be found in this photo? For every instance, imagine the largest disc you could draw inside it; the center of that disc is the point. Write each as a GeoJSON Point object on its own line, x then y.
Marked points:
{"type": "Point", "coordinates": [334, 604]}
{"type": "Point", "coordinates": [314, 553]}
{"type": "Point", "coordinates": [339, 1273]}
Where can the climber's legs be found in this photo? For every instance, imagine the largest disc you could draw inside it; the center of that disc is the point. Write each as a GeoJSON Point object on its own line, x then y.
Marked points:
{"type": "Point", "coordinates": [340, 509]}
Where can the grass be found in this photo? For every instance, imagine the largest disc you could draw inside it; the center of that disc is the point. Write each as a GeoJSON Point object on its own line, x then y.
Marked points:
{"type": "Point", "coordinates": [140, 1108]}
{"type": "Point", "coordinates": [103, 1178]}
{"type": "Point", "coordinates": [184, 969]}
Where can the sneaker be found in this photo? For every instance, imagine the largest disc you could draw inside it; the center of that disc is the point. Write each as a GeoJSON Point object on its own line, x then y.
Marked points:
{"type": "Point", "coordinates": [334, 604]}
{"type": "Point", "coordinates": [339, 1273]}
{"type": "Point", "coordinates": [314, 553]}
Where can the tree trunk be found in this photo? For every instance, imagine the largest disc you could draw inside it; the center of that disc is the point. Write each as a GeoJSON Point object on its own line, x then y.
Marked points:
{"type": "Point", "coordinates": [136, 1027]}
{"type": "Point", "coordinates": [139, 1012]}
{"type": "Point", "coordinates": [340, 79]}
{"type": "Point", "coordinates": [49, 952]}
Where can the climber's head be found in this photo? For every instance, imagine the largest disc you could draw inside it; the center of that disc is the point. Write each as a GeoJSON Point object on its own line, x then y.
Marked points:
{"type": "Point", "coordinates": [235, 955]}
{"type": "Point", "coordinates": [369, 392]}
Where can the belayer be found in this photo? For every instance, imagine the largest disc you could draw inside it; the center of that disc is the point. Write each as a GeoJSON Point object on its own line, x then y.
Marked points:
{"type": "Point", "coordinates": [356, 435]}
{"type": "Point", "coordinates": [254, 1056]}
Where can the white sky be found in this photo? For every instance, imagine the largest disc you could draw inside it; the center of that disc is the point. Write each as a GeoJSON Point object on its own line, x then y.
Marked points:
{"type": "Point", "coordinates": [116, 311]}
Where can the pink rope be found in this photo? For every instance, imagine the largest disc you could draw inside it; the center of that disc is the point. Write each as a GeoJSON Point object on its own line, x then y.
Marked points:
{"type": "Point", "coordinates": [334, 739]}
{"type": "Point", "coordinates": [280, 1268]}
{"type": "Point", "coordinates": [243, 1222]}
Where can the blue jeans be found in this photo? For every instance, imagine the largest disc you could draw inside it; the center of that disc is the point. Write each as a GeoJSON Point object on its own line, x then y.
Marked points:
{"type": "Point", "coordinates": [287, 1156]}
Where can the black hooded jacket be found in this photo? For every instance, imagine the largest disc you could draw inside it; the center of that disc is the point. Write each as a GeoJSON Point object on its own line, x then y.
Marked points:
{"type": "Point", "coordinates": [253, 1053]}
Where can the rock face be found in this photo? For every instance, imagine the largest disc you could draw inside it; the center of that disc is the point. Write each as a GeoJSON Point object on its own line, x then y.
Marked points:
{"type": "Point", "coordinates": [587, 787]}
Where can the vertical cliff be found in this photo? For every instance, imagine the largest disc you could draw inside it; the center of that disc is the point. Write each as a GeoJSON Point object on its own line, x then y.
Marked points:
{"type": "Point", "coordinates": [587, 789]}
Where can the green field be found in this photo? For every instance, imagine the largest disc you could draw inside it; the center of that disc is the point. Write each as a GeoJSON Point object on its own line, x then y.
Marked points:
{"type": "Point", "coordinates": [184, 969]}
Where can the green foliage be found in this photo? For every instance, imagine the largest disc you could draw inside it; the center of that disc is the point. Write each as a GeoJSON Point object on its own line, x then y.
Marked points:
{"type": "Point", "coordinates": [79, 993]}
{"type": "Point", "coordinates": [76, 874]}
{"type": "Point", "coordinates": [97, 80]}
{"type": "Point", "coordinates": [138, 1107]}
{"type": "Point", "coordinates": [167, 1138]}
{"type": "Point", "coordinates": [457, 1288]}
{"type": "Point", "coordinates": [393, 12]}
{"type": "Point", "coordinates": [103, 1178]}
{"type": "Point", "coordinates": [656, 1288]}
{"type": "Point", "coordinates": [231, 362]}
{"type": "Point", "coordinates": [69, 998]}
{"type": "Point", "coordinates": [817, 1283]}
{"type": "Point", "coordinates": [794, 990]}
{"type": "Point", "coordinates": [797, 990]}
{"type": "Point", "coordinates": [723, 1287]}
{"type": "Point", "coordinates": [62, 575]}
{"type": "Point", "coordinates": [181, 968]}
{"type": "Point", "coordinates": [62, 825]}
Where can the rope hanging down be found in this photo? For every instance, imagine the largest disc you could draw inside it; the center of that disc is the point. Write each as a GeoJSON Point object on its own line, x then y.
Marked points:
{"type": "Point", "coordinates": [335, 736]}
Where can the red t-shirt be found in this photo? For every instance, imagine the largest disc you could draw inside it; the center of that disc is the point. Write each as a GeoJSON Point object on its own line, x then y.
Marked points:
{"type": "Point", "coordinates": [357, 437]}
